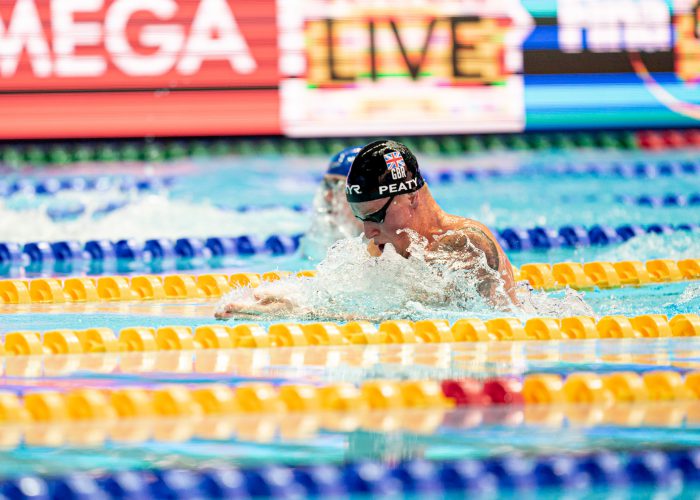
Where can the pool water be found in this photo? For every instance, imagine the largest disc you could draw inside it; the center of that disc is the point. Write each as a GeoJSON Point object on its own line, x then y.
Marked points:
{"type": "Point", "coordinates": [205, 198]}
{"type": "Point", "coordinates": [199, 201]}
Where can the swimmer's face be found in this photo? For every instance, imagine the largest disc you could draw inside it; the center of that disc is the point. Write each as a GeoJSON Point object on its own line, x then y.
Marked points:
{"type": "Point", "coordinates": [333, 186]}
{"type": "Point", "coordinates": [397, 213]}
{"type": "Point", "coordinates": [333, 192]}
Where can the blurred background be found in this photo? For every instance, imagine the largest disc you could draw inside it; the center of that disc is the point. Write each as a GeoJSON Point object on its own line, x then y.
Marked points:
{"type": "Point", "coordinates": [307, 68]}
{"type": "Point", "coordinates": [176, 118]}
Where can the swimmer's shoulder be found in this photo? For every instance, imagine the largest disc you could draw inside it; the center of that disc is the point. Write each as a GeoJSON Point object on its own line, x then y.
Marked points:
{"type": "Point", "coordinates": [463, 232]}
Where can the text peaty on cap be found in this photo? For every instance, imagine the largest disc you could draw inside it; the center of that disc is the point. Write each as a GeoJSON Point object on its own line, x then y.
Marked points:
{"type": "Point", "coordinates": [382, 169]}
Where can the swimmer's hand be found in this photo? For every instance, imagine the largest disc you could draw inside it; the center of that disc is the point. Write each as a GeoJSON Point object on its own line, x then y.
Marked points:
{"type": "Point", "coordinates": [265, 303]}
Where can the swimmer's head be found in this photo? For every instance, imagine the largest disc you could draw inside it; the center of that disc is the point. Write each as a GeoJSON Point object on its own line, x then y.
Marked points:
{"type": "Point", "coordinates": [340, 163]}
{"type": "Point", "coordinates": [330, 202]}
{"type": "Point", "coordinates": [333, 183]}
{"type": "Point", "coordinates": [383, 169]}
{"type": "Point", "coordinates": [383, 172]}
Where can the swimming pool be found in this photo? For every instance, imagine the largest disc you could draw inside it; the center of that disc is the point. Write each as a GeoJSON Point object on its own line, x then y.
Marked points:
{"type": "Point", "coordinates": [156, 412]}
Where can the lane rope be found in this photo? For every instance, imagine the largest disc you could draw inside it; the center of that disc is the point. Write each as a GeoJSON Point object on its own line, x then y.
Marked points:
{"type": "Point", "coordinates": [209, 286]}
{"type": "Point", "coordinates": [278, 335]}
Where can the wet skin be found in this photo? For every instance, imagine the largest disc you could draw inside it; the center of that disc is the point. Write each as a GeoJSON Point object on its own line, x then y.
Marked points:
{"type": "Point", "coordinates": [419, 212]}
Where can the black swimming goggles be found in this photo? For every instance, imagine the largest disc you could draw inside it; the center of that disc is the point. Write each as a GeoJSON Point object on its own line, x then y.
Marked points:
{"type": "Point", "coordinates": [378, 216]}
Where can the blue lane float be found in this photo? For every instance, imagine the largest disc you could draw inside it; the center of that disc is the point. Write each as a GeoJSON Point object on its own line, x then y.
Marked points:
{"type": "Point", "coordinates": [11, 257]}
{"type": "Point", "coordinates": [665, 200]}
{"type": "Point", "coordinates": [544, 238]}
{"type": "Point", "coordinates": [573, 236]}
{"type": "Point", "coordinates": [199, 250]}
{"type": "Point", "coordinates": [52, 186]}
{"type": "Point", "coordinates": [100, 250]}
{"type": "Point", "coordinates": [640, 170]}
{"type": "Point", "coordinates": [221, 247]}
{"type": "Point", "coordinates": [191, 248]}
{"type": "Point", "coordinates": [129, 249]}
{"type": "Point", "coordinates": [159, 249]}
{"type": "Point", "coordinates": [39, 253]}
{"type": "Point", "coordinates": [67, 250]}
{"type": "Point", "coordinates": [640, 471]}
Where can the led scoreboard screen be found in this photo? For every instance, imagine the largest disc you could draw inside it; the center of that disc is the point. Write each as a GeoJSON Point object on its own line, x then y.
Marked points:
{"type": "Point", "coordinates": [428, 67]}
{"type": "Point", "coordinates": [606, 63]}
{"type": "Point", "coordinates": [72, 68]}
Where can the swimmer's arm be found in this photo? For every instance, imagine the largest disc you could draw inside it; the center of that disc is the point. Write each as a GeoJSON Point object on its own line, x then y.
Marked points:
{"type": "Point", "coordinates": [264, 304]}
{"type": "Point", "coordinates": [233, 311]}
{"type": "Point", "coordinates": [270, 304]}
{"type": "Point", "coordinates": [460, 242]}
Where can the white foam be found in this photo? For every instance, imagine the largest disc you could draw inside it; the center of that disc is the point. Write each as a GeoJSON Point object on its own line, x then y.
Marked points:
{"type": "Point", "coordinates": [351, 284]}
{"type": "Point", "coordinates": [679, 245]}
{"type": "Point", "coordinates": [690, 294]}
{"type": "Point", "coordinates": [145, 216]}
{"type": "Point", "coordinates": [331, 220]}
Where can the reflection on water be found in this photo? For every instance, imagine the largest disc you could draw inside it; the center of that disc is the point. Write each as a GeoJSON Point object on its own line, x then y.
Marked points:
{"type": "Point", "coordinates": [330, 437]}
{"type": "Point", "coordinates": [354, 363]}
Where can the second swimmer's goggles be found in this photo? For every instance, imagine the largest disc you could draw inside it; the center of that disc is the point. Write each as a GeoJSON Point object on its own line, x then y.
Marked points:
{"type": "Point", "coordinates": [378, 216]}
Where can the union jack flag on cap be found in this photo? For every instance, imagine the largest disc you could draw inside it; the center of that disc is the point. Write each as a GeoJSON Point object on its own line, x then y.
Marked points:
{"type": "Point", "coordinates": [394, 160]}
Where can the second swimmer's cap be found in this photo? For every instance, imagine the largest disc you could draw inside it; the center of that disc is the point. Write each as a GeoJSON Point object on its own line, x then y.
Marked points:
{"type": "Point", "coordinates": [382, 169]}
{"type": "Point", "coordinates": [340, 163]}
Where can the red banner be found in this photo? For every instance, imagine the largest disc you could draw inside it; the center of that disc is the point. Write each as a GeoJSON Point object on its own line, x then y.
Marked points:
{"type": "Point", "coordinates": [75, 68]}
{"type": "Point", "coordinates": [304, 68]}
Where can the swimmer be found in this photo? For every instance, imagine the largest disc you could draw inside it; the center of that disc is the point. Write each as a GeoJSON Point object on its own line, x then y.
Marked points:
{"type": "Point", "coordinates": [331, 218]}
{"type": "Point", "coordinates": [386, 192]}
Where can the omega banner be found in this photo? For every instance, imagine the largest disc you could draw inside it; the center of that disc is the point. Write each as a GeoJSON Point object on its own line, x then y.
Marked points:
{"type": "Point", "coordinates": [101, 68]}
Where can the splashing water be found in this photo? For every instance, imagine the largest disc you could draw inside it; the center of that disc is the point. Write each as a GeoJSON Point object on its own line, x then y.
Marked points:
{"type": "Point", "coordinates": [678, 245]}
{"type": "Point", "coordinates": [689, 300]}
{"type": "Point", "coordinates": [351, 284]}
{"type": "Point", "coordinates": [686, 302]}
{"type": "Point", "coordinates": [554, 305]}
{"type": "Point", "coordinates": [691, 293]}
{"type": "Point", "coordinates": [140, 216]}
{"type": "Point", "coordinates": [331, 220]}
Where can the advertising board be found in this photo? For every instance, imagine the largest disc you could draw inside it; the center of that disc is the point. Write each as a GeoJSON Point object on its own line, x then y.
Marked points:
{"type": "Point", "coordinates": [111, 68]}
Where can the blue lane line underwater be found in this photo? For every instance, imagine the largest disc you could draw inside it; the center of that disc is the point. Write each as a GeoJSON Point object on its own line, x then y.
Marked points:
{"type": "Point", "coordinates": [53, 185]}
{"type": "Point", "coordinates": [196, 251]}
{"type": "Point", "coordinates": [639, 169]}
{"type": "Point", "coordinates": [627, 470]}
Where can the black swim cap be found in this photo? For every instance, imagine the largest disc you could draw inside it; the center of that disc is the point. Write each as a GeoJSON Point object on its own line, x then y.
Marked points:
{"type": "Point", "coordinates": [382, 169]}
